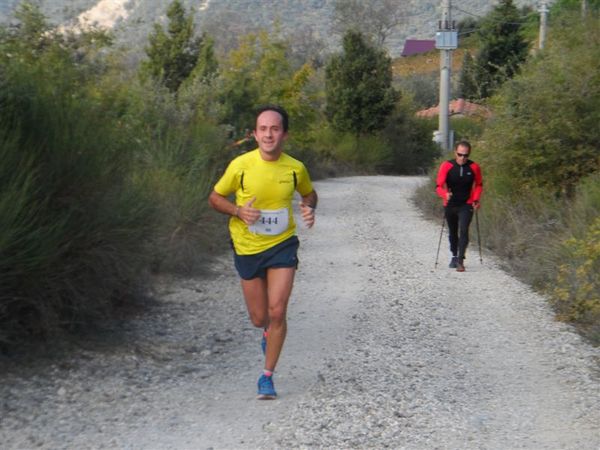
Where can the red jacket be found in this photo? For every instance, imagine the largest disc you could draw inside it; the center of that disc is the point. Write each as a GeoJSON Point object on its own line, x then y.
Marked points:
{"type": "Point", "coordinates": [465, 182]}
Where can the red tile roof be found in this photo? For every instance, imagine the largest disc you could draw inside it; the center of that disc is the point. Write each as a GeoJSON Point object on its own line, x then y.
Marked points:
{"type": "Point", "coordinates": [458, 107]}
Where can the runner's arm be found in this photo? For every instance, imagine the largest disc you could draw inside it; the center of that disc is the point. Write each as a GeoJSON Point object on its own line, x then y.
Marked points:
{"type": "Point", "coordinates": [441, 188]}
{"type": "Point", "coordinates": [477, 184]}
{"type": "Point", "coordinates": [307, 208]}
{"type": "Point", "coordinates": [311, 199]}
{"type": "Point", "coordinates": [221, 204]}
{"type": "Point", "coordinates": [246, 212]}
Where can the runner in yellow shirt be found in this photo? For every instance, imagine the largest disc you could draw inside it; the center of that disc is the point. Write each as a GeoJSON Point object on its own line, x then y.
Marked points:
{"type": "Point", "coordinates": [263, 230]}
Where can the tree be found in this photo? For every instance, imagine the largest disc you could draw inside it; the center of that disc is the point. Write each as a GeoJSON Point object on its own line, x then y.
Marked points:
{"type": "Point", "coordinates": [467, 25]}
{"type": "Point", "coordinates": [545, 131]}
{"type": "Point", "coordinates": [424, 88]}
{"type": "Point", "coordinates": [375, 19]}
{"type": "Point", "coordinates": [173, 55]}
{"type": "Point", "coordinates": [503, 47]}
{"type": "Point", "coordinates": [468, 86]}
{"type": "Point", "coordinates": [259, 72]}
{"type": "Point", "coordinates": [358, 85]}
{"type": "Point", "coordinates": [207, 64]}
{"type": "Point", "coordinates": [408, 138]}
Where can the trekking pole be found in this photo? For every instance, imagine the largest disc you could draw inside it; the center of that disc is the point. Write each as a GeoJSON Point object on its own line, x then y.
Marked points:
{"type": "Point", "coordinates": [478, 235]}
{"type": "Point", "coordinates": [440, 241]}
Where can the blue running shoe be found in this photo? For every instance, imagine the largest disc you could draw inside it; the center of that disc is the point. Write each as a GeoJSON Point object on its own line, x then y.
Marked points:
{"type": "Point", "coordinates": [266, 390]}
{"type": "Point", "coordinates": [454, 262]}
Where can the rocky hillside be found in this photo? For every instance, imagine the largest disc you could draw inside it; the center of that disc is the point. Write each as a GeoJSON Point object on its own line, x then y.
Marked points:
{"type": "Point", "coordinates": [132, 20]}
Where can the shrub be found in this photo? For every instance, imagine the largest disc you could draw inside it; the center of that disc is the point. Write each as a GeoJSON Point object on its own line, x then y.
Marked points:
{"type": "Point", "coordinates": [577, 291]}
{"type": "Point", "coordinates": [576, 294]}
{"type": "Point", "coordinates": [411, 150]}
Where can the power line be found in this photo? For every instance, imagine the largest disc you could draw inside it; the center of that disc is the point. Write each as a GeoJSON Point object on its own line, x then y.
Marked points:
{"type": "Point", "coordinates": [467, 12]}
{"type": "Point", "coordinates": [483, 17]}
{"type": "Point", "coordinates": [472, 30]}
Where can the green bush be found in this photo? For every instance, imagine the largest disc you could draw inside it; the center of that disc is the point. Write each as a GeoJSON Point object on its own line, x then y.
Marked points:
{"type": "Point", "coordinates": [577, 290]}
{"type": "Point", "coordinates": [345, 147]}
{"type": "Point", "coordinates": [584, 207]}
{"type": "Point", "coordinates": [469, 128]}
{"type": "Point", "coordinates": [576, 293]}
{"type": "Point", "coordinates": [410, 149]}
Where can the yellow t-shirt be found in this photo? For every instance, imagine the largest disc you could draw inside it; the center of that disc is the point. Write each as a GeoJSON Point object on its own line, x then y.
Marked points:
{"type": "Point", "coordinates": [273, 184]}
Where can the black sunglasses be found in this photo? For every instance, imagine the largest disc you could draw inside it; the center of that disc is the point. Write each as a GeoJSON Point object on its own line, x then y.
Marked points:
{"type": "Point", "coordinates": [462, 155]}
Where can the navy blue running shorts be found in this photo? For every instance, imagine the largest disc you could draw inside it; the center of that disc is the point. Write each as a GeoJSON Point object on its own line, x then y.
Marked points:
{"type": "Point", "coordinates": [284, 254]}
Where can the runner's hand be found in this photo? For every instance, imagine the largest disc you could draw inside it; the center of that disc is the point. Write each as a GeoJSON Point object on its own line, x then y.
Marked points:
{"type": "Point", "coordinates": [247, 213]}
{"type": "Point", "coordinates": [308, 215]}
{"type": "Point", "coordinates": [476, 204]}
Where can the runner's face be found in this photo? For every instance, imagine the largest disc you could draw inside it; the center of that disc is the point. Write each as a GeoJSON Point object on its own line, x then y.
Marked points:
{"type": "Point", "coordinates": [462, 154]}
{"type": "Point", "coordinates": [269, 134]}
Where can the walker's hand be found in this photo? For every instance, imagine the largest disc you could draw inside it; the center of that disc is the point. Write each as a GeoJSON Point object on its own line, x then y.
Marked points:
{"type": "Point", "coordinates": [476, 204]}
{"type": "Point", "coordinates": [247, 213]}
{"type": "Point", "coordinates": [448, 195]}
{"type": "Point", "coordinates": [308, 215]}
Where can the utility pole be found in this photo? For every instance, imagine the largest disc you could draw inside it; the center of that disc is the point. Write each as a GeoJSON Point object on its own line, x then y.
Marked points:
{"type": "Point", "coordinates": [543, 23]}
{"type": "Point", "coordinates": [446, 40]}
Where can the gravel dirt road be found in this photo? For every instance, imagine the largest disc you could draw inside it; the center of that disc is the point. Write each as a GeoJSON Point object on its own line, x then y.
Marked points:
{"type": "Point", "coordinates": [383, 351]}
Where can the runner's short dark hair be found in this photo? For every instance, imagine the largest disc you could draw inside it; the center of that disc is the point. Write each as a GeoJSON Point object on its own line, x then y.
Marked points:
{"type": "Point", "coordinates": [464, 143]}
{"type": "Point", "coordinates": [278, 109]}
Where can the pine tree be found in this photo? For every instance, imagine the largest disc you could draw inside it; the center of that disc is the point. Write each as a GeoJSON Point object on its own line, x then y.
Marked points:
{"type": "Point", "coordinates": [358, 87]}
{"type": "Point", "coordinates": [173, 55]}
{"type": "Point", "coordinates": [503, 48]}
{"type": "Point", "coordinates": [206, 65]}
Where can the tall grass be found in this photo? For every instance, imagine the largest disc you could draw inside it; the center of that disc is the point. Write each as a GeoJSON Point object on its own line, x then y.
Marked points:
{"type": "Point", "coordinates": [525, 233]}
{"type": "Point", "coordinates": [75, 225]}
{"type": "Point", "coordinates": [180, 166]}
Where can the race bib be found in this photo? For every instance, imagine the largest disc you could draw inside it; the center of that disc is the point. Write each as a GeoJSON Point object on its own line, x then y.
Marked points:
{"type": "Point", "coordinates": [271, 222]}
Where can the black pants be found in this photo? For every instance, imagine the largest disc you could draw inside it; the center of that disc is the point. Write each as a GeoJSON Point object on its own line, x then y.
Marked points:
{"type": "Point", "coordinates": [459, 218]}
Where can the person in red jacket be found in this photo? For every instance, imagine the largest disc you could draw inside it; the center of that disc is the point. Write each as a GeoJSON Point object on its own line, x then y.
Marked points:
{"type": "Point", "coordinates": [460, 184]}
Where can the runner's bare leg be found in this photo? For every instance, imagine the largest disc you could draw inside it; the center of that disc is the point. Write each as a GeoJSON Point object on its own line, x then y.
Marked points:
{"type": "Point", "coordinates": [279, 286]}
{"type": "Point", "coordinates": [257, 302]}
{"type": "Point", "coordinates": [267, 301]}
